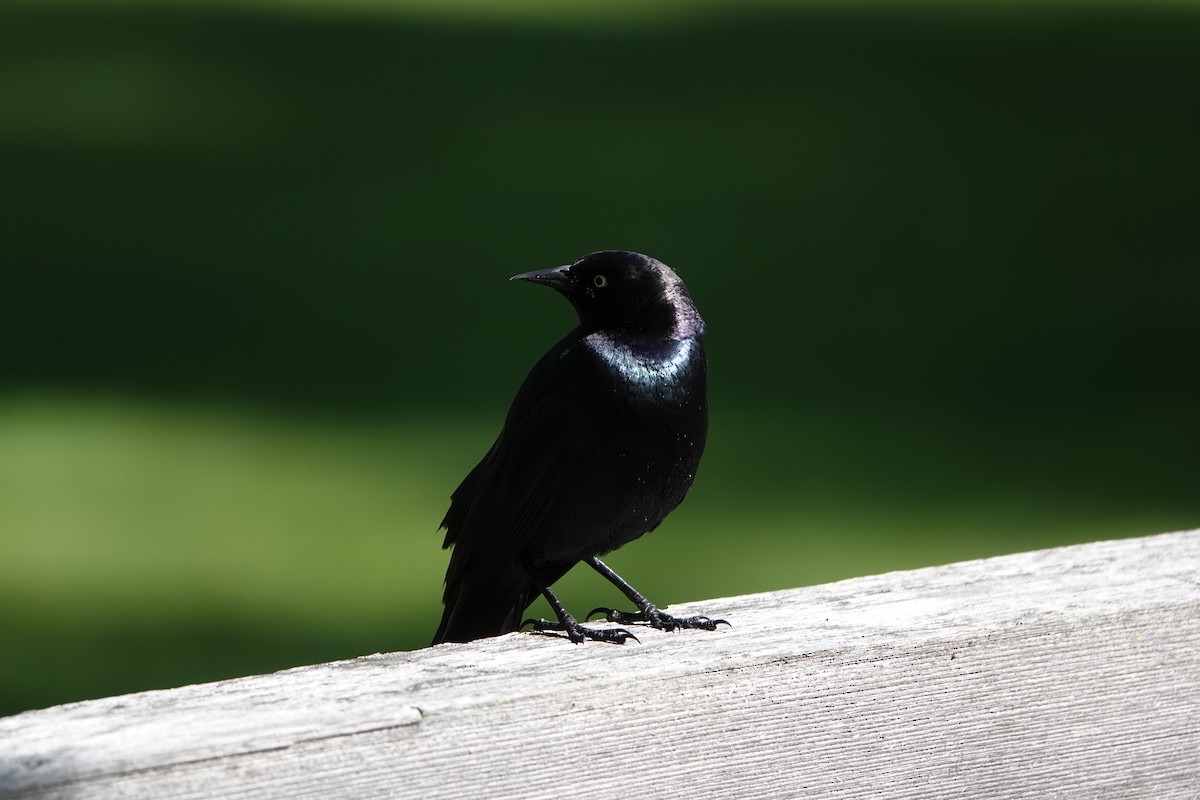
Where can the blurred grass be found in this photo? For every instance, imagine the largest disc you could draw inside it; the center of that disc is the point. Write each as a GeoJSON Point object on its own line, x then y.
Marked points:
{"type": "Point", "coordinates": [254, 325]}
{"type": "Point", "coordinates": [158, 547]}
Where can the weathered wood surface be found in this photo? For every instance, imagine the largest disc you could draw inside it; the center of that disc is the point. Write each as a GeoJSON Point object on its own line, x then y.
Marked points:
{"type": "Point", "coordinates": [1067, 673]}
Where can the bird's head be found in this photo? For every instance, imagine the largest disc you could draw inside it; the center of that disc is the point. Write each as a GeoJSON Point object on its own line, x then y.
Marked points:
{"type": "Point", "coordinates": [621, 292]}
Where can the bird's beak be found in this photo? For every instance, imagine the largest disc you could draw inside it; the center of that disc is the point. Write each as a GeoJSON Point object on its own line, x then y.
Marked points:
{"type": "Point", "coordinates": [555, 278]}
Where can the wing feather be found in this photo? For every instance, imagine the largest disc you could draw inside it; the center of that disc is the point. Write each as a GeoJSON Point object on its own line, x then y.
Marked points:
{"type": "Point", "coordinates": [503, 503]}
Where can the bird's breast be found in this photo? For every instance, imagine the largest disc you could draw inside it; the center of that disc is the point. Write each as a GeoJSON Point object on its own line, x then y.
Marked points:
{"type": "Point", "coordinates": [643, 424]}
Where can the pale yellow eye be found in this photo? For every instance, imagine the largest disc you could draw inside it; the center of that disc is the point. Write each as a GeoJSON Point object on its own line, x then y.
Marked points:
{"type": "Point", "coordinates": [600, 281]}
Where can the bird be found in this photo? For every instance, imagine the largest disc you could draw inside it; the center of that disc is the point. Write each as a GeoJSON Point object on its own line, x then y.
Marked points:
{"type": "Point", "coordinates": [601, 443]}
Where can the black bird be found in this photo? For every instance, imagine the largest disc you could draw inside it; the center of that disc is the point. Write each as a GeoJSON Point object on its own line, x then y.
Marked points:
{"type": "Point", "coordinates": [601, 443]}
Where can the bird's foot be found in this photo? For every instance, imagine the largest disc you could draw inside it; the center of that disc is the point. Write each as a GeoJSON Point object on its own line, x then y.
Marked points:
{"type": "Point", "coordinates": [658, 619]}
{"type": "Point", "coordinates": [577, 633]}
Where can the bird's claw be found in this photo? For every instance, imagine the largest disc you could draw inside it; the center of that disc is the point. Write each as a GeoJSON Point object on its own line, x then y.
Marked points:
{"type": "Point", "coordinates": [658, 619]}
{"type": "Point", "coordinates": [578, 634]}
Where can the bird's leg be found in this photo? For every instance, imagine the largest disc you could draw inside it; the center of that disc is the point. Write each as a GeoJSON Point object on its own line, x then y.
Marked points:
{"type": "Point", "coordinates": [647, 611]}
{"type": "Point", "coordinates": [575, 632]}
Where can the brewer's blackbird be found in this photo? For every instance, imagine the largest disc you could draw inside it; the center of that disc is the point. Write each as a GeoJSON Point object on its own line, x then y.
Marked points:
{"type": "Point", "coordinates": [601, 443]}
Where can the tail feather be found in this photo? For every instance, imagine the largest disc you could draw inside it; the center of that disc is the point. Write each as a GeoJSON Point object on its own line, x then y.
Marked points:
{"type": "Point", "coordinates": [491, 611]}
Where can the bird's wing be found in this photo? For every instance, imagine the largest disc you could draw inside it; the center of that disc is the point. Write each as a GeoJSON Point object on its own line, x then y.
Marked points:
{"type": "Point", "coordinates": [501, 506]}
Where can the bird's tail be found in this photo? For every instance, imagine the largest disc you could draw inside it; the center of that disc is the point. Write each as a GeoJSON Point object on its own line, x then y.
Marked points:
{"type": "Point", "coordinates": [485, 611]}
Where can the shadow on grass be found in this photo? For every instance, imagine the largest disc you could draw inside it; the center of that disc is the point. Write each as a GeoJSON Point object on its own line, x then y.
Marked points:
{"type": "Point", "coordinates": [985, 209]}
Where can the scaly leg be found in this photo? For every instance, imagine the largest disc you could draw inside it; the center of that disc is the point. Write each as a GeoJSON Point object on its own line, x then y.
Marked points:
{"type": "Point", "coordinates": [647, 611]}
{"type": "Point", "coordinates": [575, 632]}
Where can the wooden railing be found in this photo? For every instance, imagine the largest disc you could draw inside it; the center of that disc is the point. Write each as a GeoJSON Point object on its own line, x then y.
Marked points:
{"type": "Point", "coordinates": [1065, 673]}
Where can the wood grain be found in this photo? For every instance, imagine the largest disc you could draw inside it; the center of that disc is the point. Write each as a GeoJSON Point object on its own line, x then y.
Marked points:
{"type": "Point", "coordinates": [1063, 673]}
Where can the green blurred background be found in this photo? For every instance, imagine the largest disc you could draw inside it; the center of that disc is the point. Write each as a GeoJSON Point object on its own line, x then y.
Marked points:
{"type": "Point", "coordinates": [255, 325]}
